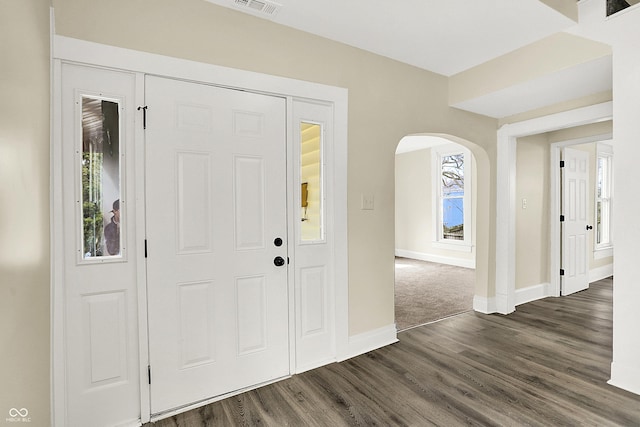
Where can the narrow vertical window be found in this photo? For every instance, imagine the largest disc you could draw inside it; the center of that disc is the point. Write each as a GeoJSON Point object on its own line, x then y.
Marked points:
{"type": "Point", "coordinates": [604, 189]}
{"type": "Point", "coordinates": [452, 200]}
{"type": "Point", "coordinates": [311, 191]}
{"type": "Point", "coordinates": [100, 202]}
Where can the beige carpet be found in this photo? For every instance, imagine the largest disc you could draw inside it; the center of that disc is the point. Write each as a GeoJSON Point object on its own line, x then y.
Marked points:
{"type": "Point", "coordinates": [426, 291]}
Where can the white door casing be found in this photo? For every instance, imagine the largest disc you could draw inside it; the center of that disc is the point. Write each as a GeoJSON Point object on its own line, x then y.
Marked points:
{"type": "Point", "coordinates": [505, 301]}
{"type": "Point", "coordinates": [575, 198]}
{"type": "Point", "coordinates": [216, 203]}
{"type": "Point", "coordinates": [99, 294]}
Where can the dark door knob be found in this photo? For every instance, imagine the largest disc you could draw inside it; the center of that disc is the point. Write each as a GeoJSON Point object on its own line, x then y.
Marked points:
{"type": "Point", "coordinates": [278, 261]}
{"type": "Point", "coordinates": [277, 241]}
{"type": "Point", "coordinates": [589, 227]}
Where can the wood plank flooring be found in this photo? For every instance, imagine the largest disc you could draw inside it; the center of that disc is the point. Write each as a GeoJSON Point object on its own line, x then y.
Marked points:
{"type": "Point", "coordinates": [544, 365]}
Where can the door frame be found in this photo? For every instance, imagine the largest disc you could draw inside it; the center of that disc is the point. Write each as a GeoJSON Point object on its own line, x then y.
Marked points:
{"type": "Point", "coordinates": [505, 290]}
{"type": "Point", "coordinates": [555, 206]}
{"type": "Point", "coordinates": [65, 49]}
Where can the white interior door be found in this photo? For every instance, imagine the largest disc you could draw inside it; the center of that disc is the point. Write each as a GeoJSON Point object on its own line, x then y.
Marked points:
{"type": "Point", "coordinates": [575, 184]}
{"type": "Point", "coordinates": [217, 241]}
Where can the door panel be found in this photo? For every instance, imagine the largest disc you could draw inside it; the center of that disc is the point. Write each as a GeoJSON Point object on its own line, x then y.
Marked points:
{"type": "Point", "coordinates": [99, 285]}
{"type": "Point", "coordinates": [314, 246]}
{"type": "Point", "coordinates": [216, 201]}
{"type": "Point", "coordinates": [575, 180]}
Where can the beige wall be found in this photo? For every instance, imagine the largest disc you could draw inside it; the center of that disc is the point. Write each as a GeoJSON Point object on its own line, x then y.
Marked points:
{"type": "Point", "coordinates": [594, 99]}
{"type": "Point", "coordinates": [532, 223]}
{"type": "Point", "coordinates": [24, 209]}
{"type": "Point", "coordinates": [414, 206]}
{"type": "Point", "coordinates": [387, 100]}
{"type": "Point", "coordinates": [413, 201]}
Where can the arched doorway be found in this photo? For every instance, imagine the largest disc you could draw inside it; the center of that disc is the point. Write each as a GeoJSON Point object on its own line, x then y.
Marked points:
{"type": "Point", "coordinates": [435, 245]}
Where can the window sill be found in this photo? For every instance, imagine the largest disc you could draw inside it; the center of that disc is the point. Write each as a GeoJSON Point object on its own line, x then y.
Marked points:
{"type": "Point", "coordinates": [451, 246]}
{"type": "Point", "coordinates": [603, 253]}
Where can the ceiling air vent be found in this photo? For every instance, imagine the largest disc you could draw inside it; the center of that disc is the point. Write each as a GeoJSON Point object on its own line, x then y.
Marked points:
{"type": "Point", "coordinates": [263, 7]}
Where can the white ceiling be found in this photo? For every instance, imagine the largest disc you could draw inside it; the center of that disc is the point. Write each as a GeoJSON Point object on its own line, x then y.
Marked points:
{"type": "Point", "coordinates": [567, 84]}
{"type": "Point", "coordinates": [420, 142]}
{"type": "Point", "coordinates": [446, 37]}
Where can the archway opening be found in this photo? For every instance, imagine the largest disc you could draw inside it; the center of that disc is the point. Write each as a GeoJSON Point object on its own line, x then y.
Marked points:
{"type": "Point", "coordinates": [435, 228]}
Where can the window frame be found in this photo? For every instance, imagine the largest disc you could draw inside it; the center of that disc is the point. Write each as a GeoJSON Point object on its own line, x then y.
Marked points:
{"type": "Point", "coordinates": [121, 257]}
{"type": "Point", "coordinates": [603, 151]}
{"type": "Point", "coordinates": [321, 181]}
{"type": "Point", "coordinates": [437, 153]}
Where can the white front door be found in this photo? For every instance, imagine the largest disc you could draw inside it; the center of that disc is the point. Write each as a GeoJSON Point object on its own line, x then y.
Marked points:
{"type": "Point", "coordinates": [217, 241]}
{"type": "Point", "coordinates": [575, 184]}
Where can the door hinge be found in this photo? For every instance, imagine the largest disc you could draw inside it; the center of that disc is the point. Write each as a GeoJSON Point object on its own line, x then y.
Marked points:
{"type": "Point", "coordinates": [145, 248]}
{"type": "Point", "coordinates": [561, 161]}
{"type": "Point", "coordinates": [561, 218]}
{"type": "Point", "coordinates": [144, 116]}
{"type": "Point", "coordinates": [562, 271]}
{"type": "Point", "coordinates": [149, 373]}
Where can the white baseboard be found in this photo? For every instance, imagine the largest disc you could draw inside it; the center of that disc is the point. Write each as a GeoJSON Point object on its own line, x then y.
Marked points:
{"type": "Point", "coordinates": [600, 273]}
{"type": "Point", "coordinates": [369, 341]}
{"type": "Point", "coordinates": [484, 305]}
{"type": "Point", "coordinates": [314, 365]}
{"type": "Point", "coordinates": [468, 263]}
{"type": "Point", "coordinates": [625, 377]}
{"type": "Point", "coordinates": [532, 293]}
{"type": "Point", "coordinates": [488, 305]}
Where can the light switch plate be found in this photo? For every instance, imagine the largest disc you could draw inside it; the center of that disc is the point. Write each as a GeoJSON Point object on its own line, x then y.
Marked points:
{"type": "Point", "coordinates": [367, 202]}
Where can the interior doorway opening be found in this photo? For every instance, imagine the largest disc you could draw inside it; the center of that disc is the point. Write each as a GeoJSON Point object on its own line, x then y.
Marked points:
{"type": "Point", "coordinates": [542, 211]}
{"type": "Point", "coordinates": [435, 215]}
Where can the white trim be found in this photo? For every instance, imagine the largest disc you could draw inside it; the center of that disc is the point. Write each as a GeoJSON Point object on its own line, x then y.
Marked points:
{"type": "Point", "coordinates": [625, 376]}
{"type": "Point", "coordinates": [310, 366]}
{"type": "Point", "coordinates": [486, 305]}
{"type": "Point", "coordinates": [506, 190]}
{"type": "Point", "coordinates": [555, 239]}
{"type": "Point", "coordinates": [604, 150]}
{"type": "Point", "coordinates": [201, 403]}
{"type": "Point", "coordinates": [58, 354]}
{"type": "Point", "coordinates": [130, 423]}
{"type": "Point", "coordinates": [79, 51]}
{"type": "Point", "coordinates": [140, 206]}
{"type": "Point", "coordinates": [532, 293]}
{"type": "Point", "coordinates": [452, 246]}
{"type": "Point", "coordinates": [371, 340]}
{"type": "Point", "coordinates": [467, 263]}
{"type": "Point", "coordinates": [603, 253]}
{"type": "Point", "coordinates": [600, 273]}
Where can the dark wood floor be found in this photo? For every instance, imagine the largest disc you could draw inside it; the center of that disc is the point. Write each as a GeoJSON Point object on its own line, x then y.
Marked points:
{"type": "Point", "coordinates": [544, 365]}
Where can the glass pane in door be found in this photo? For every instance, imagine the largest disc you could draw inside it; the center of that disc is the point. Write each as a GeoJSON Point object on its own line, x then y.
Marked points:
{"type": "Point", "coordinates": [311, 190]}
{"type": "Point", "coordinates": [100, 178]}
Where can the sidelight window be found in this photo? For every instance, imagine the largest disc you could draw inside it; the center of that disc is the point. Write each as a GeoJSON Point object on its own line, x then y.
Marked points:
{"type": "Point", "coordinates": [311, 178]}
{"type": "Point", "coordinates": [100, 182]}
